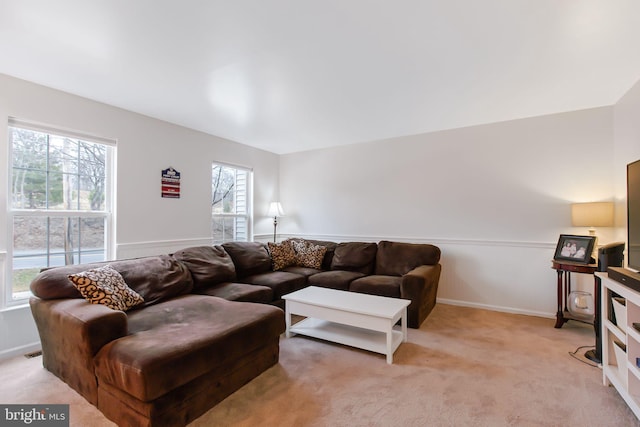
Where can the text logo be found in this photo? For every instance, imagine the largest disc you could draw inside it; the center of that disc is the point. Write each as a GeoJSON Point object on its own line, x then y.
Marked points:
{"type": "Point", "coordinates": [34, 415]}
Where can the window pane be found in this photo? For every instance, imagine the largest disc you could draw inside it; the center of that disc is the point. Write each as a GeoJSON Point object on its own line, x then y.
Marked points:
{"type": "Point", "coordinates": [229, 189]}
{"type": "Point", "coordinates": [63, 240]}
{"type": "Point", "coordinates": [29, 252]}
{"type": "Point", "coordinates": [92, 197]}
{"type": "Point", "coordinates": [223, 189]}
{"type": "Point", "coordinates": [29, 235]}
{"type": "Point", "coordinates": [227, 229]}
{"type": "Point", "coordinates": [63, 191]}
{"type": "Point", "coordinates": [22, 276]}
{"type": "Point", "coordinates": [29, 189]}
{"type": "Point", "coordinates": [222, 230]}
{"type": "Point", "coordinates": [91, 158]}
{"type": "Point", "coordinates": [92, 243]}
{"type": "Point", "coordinates": [29, 149]}
{"type": "Point", "coordinates": [92, 180]}
{"type": "Point", "coordinates": [63, 154]}
{"type": "Point", "coordinates": [55, 191]}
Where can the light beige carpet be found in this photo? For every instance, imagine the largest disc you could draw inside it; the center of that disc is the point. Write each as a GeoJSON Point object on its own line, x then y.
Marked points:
{"type": "Point", "coordinates": [463, 367]}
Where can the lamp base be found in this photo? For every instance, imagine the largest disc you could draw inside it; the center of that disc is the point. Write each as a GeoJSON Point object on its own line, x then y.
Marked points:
{"type": "Point", "coordinates": [591, 355]}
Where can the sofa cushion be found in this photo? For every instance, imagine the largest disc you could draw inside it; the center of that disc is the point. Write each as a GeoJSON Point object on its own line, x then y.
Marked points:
{"type": "Point", "coordinates": [280, 282]}
{"type": "Point", "coordinates": [396, 258]}
{"type": "Point", "coordinates": [355, 256]}
{"type": "Point", "coordinates": [54, 283]}
{"type": "Point", "coordinates": [104, 285]}
{"type": "Point", "coordinates": [282, 255]}
{"type": "Point", "coordinates": [238, 292]}
{"type": "Point", "coordinates": [384, 286]}
{"type": "Point", "coordinates": [336, 279]}
{"type": "Point", "coordinates": [302, 271]}
{"type": "Point", "coordinates": [156, 278]}
{"type": "Point", "coordinates": [208, 265]}
{"type": "Point", "coordinates": [248, 257]}
{"type": "Point", "coordinates": [176, 341]}
{"type": "Point", "coordinates": [308, 254]}
{"type": "Point", "coordinates": [328, 256]}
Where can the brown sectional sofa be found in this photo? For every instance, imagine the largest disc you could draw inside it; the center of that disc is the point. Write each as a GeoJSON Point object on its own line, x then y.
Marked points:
{"type": "Point", "coordinates": [164, 363]}
{"type": "Point", "coordinates": [394, 269]}
{"type": "Point", "coordinates": [200, 335]}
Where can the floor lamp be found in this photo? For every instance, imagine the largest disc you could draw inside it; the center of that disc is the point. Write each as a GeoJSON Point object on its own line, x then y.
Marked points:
{"type": "Point", "coordinates": [275, 210]}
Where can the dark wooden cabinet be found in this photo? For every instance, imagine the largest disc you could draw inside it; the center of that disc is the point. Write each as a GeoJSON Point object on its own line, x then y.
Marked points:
{"type": "Point", "coordinates": [564, 270]}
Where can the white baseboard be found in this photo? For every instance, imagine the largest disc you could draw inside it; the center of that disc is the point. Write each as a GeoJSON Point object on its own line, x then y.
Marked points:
{"type": "Point", "coordinates": [496, 308]}
{"type": "Point", "coordinates": [20, 351]}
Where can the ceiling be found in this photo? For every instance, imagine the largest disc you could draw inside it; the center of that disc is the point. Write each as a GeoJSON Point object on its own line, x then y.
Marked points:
{"type": "Point", "coordinates": [295, 75]}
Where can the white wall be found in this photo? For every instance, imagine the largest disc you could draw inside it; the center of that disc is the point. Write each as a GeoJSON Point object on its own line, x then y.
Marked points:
{"type": "Point", "coordinates": [146, 223]}
{"type": "Point", "coordinates": [494, 198]}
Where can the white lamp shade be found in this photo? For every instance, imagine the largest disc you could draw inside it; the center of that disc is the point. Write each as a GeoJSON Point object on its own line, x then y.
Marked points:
{"type": "Point", "coordinates": [275, 209]}
{"type": "Point", "coordinates": [597, 214]}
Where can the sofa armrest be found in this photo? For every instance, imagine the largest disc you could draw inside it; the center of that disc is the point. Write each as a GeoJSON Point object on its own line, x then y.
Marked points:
{"type": "Point", "coordinates": [71, 332]}
{"type": "Point", "coordinates": [420, 285]}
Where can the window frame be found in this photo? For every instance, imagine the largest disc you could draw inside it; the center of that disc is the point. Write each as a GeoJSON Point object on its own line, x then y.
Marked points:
{"type": "Point", "coordinates": [9, 299]}
{"type": "Point", "coordinates": [249, 199]}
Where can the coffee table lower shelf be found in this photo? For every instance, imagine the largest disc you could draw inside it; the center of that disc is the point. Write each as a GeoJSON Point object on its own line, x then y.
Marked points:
{"type": "Point", "coordinates": [352, 336]}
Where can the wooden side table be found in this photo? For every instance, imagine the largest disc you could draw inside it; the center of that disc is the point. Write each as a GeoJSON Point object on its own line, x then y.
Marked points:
{"type": "Point", "coordinates": [564, 270]}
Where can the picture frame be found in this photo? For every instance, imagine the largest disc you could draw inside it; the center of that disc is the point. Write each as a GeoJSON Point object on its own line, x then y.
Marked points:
{"type": "Point", "coordinates": [574, 248]}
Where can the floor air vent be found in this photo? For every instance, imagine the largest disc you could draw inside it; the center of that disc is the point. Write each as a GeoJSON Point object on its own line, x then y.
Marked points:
{"type": "Point", "coordinates": [33, 354]}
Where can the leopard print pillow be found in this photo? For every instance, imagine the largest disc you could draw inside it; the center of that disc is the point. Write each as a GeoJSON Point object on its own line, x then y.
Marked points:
{"type": "Point", "coordinates": [308, 254]}
{"type": "Point", "coordinates": [104, 285]}
{"type": "Point", "coordinates": [282, 255]}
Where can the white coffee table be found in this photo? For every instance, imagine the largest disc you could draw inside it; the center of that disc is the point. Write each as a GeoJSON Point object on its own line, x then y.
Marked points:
{"type": "Point", "coordinates": [350, 318]}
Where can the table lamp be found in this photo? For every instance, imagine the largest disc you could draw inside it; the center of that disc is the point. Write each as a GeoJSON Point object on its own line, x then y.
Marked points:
{"type": "Point", "coordinates": [595, 214]}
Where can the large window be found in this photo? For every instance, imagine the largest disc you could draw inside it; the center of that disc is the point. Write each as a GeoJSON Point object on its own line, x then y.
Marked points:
{"type": "Point", "coordinates": [60, 207]}
{"type": "Point", "coordinates": [230, 203]}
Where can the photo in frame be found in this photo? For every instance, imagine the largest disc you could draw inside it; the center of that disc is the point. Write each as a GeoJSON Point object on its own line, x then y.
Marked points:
{"type": "Point", "coordinates": [575, 248]}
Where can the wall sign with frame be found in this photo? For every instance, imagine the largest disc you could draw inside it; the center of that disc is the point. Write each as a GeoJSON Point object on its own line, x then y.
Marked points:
{"type": "Point", "coordinates": [170, 183]}
{"type": "Point", "coordinates": [575, 248]}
